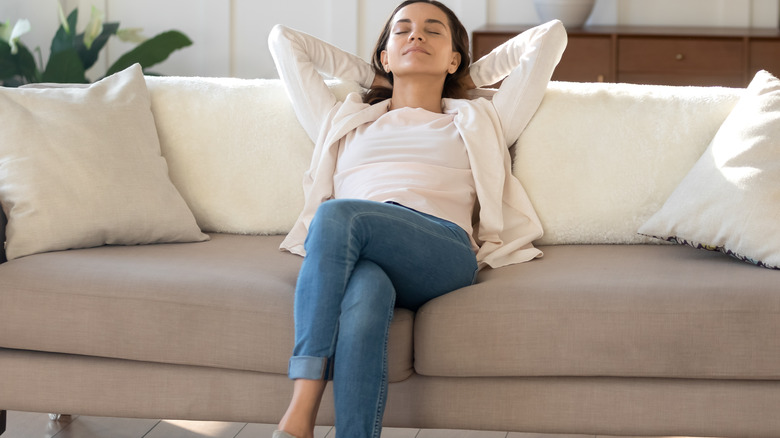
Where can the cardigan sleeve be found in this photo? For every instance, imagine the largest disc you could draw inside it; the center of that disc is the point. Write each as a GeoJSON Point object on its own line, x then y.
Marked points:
{"type": "Point", "coordinates": [302, 60]}
{"type": "Point", "coordinates": [525, 63]}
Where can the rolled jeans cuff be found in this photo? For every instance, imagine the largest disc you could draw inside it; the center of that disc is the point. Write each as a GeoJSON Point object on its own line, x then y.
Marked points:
{"type": "Point", "coordinates": [311, 368]}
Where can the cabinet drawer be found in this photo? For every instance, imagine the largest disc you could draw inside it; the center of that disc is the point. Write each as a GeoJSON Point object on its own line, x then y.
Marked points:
{"type": "Point", "coordinates": [586, 59]}
{"type": "Point", "coordinates": [764, 55]}
{"type": "Point", "coordinates": [680, 55]}
{"type": "Point", "coordinates": [484, 43]}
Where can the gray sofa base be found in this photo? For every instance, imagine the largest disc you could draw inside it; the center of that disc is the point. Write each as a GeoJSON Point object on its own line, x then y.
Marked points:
{"type": "Point", "coordinates": [581, 405]}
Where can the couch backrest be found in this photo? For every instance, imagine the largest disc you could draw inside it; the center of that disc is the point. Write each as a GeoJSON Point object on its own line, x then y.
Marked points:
{"type": "Point", "coordinates": [235, 150]}
{"type": "Point", "coordinates": [597, 159]}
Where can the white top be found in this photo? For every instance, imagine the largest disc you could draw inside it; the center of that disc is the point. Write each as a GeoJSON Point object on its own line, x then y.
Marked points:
{"type": "Point", "coordinates": [411, 156]}
{"type": "Point", "coordinates": [506, 221]}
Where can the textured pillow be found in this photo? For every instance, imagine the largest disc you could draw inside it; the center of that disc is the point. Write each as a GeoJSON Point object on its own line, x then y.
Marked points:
{"type": "Point", "coordinates": [597, 160]}
{"type": "Point", "coordinates": [730, 200]}
{"type": "Point", "coordinates": [235, 149]}
{"type": "Point", "coordinates": [81, 167]}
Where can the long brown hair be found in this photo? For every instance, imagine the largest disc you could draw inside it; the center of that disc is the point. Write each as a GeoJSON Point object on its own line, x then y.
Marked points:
{"type": "Point", "coordinates": [453, 87]}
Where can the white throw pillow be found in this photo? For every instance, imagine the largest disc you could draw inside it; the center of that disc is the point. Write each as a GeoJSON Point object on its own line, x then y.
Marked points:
{"type": "Point", "coordinates": [730, 200]}
{"type": "Point", "coordinates": [597, 160]}
{"type": "Point", "coordinates": [81, 167]}
{"type": "Point", "coordinates": [235, 149]}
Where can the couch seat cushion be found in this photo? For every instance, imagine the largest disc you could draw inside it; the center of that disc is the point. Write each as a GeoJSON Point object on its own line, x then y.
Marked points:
{"type": "Point", "coordinates": [225, 303]}
{"type": "Point", "coordinates": [600, 310]}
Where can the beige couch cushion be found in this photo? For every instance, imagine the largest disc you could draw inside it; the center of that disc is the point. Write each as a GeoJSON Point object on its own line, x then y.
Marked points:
{"type": "Point", "coordinates": [224, 303]}
{"type": "Point", "coordinates": [644, 311]}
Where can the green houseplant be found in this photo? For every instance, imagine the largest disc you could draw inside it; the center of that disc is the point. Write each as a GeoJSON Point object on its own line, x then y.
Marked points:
{"type": "Point", "coordinates": [72, 54]}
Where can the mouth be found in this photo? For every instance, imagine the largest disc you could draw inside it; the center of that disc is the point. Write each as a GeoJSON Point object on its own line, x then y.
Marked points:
{"type": "Point", "coordinates": [416, 50]}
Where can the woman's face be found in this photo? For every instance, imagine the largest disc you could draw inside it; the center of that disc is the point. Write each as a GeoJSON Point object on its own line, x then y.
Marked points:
{"type": "Point", "coordinates": [420, 43]}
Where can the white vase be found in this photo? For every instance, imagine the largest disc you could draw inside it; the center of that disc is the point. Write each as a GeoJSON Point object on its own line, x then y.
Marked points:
{"type": "Point", "coordinates": [573, 13]}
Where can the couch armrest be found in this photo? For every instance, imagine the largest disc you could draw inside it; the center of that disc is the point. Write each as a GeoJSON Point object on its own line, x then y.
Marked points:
{"type": "Point", "coordinates": [2, 236]}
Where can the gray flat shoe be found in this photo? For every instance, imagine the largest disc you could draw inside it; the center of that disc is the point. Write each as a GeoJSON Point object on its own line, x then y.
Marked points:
{"type": "Point", "coordinates": [281, 434]}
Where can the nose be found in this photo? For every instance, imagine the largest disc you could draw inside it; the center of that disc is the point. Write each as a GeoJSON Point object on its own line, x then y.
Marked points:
{"type": "Point", "coordinates": [415, 35]}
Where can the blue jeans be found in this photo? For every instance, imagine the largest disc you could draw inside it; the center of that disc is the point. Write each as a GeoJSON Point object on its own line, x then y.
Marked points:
{"type": "Point", "coordinates": [362, 259]}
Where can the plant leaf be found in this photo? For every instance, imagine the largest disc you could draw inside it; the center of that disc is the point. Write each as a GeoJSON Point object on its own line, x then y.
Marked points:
{"type": "Point", "coordinates": [63, 21]}
{"type": "Point", "coordinates": [19, 68]}
{"type": "Point", "coordinates": [65, 67]}
{"type": "Point", "coordinates": [26, 63]}
{"type": "Point", "coordinates": [11, 35]}
{"type": "Point", "coordinates": [89, 56]}
{"type": "Point", "coordinates": [94, 27]}
{"type": "Point", "coordinates": [20, 28]}
{"type": "Point", "coordinates": [7, 65]}
{"type": "Point", "coordinates": [64, 38]}
{"type": "Point", "coordinates": [5, 31]}
{"type": "Point", "coordinates": [151, 51]}
{"type": "Point", "coordinates": [131, 35]}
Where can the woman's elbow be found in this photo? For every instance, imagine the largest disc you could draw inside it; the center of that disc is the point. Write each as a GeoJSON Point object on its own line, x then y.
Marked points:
{"type": "Point", "coordinates": [276, 34]}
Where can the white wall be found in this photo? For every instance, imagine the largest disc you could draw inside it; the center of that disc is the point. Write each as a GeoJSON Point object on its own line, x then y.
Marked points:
{"type": "Point", "coordinates": [230, 35]}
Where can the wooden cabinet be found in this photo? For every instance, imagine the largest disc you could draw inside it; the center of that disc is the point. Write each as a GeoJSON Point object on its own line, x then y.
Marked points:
{"type": "Point", "coordinates": [587, 58]}
{"type": "Point", "coordinates": [681, 61]}
{"type": "Point", "coordinates": [656, 55]}
{"type": "Point", "coordinates": [764, 55]}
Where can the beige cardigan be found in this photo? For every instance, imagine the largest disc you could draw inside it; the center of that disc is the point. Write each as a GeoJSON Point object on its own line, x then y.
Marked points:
{"type": "Point", "coordinates": [507, 223]}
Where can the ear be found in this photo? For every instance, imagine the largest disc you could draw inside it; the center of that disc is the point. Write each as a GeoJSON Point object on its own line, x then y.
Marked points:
{"type": "Point", "coordinates": [383, 59]}
{"type": "Point", "coordinates": [455, 63]}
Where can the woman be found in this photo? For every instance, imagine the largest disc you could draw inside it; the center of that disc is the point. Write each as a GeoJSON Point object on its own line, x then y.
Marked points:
{"type": "Point", "coordinates": [402, 169]}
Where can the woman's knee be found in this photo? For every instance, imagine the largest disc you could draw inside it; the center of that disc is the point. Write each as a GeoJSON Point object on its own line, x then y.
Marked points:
{"type": "Point", "coordinates": [369, 291]}
{"type": "Point", "coordinates": [340, 209]}
{"type": "Point", "coordinates": [332, 215]}
{"type": "Point", "coordinates": [337, 219]}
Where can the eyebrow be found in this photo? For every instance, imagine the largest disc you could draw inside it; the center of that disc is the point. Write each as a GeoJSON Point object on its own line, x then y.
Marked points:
{"type": "Point", "coordinates": [430, 20]}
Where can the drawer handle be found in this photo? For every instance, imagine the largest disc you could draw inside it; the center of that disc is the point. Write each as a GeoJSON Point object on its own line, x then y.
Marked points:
{"type": "Point", "coordinates": [679, 57]}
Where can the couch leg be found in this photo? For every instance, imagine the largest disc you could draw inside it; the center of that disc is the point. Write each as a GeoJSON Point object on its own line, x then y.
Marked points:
{"type": "Point", "coordinates": [2, 422]}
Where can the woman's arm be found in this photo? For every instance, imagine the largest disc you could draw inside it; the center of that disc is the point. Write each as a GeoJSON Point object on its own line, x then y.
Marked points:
{"type": "Point", "coordinates": [301, 61]}
{"type": "Point", "coordinates": [526, 63]}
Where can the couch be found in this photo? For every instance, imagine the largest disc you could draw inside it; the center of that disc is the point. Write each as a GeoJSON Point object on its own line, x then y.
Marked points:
{"type": "Point", "coordinates": [611, 332]}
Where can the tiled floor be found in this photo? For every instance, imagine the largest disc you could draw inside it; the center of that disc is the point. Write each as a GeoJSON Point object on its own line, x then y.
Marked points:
{"type": "Point", "coordinates": [36, 425]}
